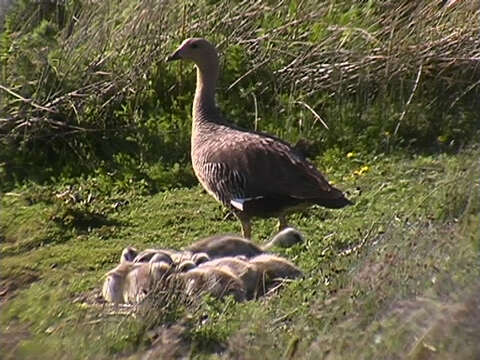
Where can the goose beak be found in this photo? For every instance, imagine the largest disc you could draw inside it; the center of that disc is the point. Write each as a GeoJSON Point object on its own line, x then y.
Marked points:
{"type": "Point", "coordinates": [174, 56]}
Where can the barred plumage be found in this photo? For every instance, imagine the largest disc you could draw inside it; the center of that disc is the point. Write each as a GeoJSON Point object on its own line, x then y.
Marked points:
{"type": "Point", "coordinates": [252, 173]}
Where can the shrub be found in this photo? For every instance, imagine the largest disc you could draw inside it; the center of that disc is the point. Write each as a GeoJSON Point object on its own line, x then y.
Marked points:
{"type": "Point", "coordinates": [83, 82]}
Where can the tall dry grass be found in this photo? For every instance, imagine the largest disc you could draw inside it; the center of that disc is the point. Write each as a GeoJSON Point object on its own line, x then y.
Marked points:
{"type": "Point", "coordinates": [79, 78]}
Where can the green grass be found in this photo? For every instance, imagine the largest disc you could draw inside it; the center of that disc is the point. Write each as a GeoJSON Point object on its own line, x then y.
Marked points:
{"type": "Point", "coordinates": [394, 276]}
{"type": "Point", "coordinates": [94, 144]}
{"type": "Point", "coordinates": [84, 86]}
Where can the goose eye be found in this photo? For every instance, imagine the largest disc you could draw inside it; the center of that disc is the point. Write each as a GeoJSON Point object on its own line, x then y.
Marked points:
{"type": "Point", "coordinates": [194, 46]}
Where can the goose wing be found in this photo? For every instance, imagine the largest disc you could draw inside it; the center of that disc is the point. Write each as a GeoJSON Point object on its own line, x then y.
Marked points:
{"type": "Point", "coordinates": [248, 165]}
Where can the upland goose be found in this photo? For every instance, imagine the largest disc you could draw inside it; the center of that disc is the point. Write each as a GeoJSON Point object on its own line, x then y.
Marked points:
{"type": "Point", "coordinates": [258, 273]}
{"type": "Point", "coordinates": [254, 174]}
{"type": "Point", "coordinates": [216, 281]}
{"type": "Point", "coordinates": [129, 282]}
{"type": "Point", "coordinates": [230, 245]}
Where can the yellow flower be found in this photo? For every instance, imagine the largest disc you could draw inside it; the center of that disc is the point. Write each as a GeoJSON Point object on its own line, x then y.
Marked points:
{"type": "Point", "coordinates": [350, 154]}
{"type": "Point", "coordinates": [364, 169]}
{"type": "Point", "coordinates": [442, 138]}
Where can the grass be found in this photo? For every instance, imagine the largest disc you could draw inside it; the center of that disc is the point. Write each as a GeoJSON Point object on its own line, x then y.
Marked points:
{"type": "Point", "coordinates": [394, 276]}
{"type": "Point", "coordinates": [94, 140]}
{"type": "Point", "coordinates": [84, 86]}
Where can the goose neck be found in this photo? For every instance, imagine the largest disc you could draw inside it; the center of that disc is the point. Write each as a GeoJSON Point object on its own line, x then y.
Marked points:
{"type": "Point", "coordinates": [204, 101]}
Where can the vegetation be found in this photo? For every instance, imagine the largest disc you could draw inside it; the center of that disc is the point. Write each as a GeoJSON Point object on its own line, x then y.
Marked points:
{"type": "Point", "coordinates": [84, 86]}
{"type": "Point", "coordinates": [94, 156]}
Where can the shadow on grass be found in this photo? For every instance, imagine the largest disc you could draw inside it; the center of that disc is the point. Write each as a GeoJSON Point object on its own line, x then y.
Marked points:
{"type": "Point", "coordinates": [55, 227]}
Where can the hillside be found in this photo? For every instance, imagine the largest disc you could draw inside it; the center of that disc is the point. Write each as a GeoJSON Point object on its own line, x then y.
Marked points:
{"type": "Point", "coordinates": [94, 156]}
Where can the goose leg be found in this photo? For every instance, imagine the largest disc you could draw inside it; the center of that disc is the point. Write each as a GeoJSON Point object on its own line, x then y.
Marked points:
{"type": "Point", "coordinates": [246, 224]}
{"type": "Point", "coordinates": [246, 228]}
{"type": "Point", "coordinates": [282, 222]}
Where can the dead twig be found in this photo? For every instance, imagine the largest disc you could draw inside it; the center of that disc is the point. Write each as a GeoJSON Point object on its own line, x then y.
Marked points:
{"type": "Point", "coordinates": [253, 69]}
{"type": "Point", "coordinates": [26, 101]}
{"type": "Point", "coordinates": [414, 89]}
{"type": "Point", "coordinates": [317, 117]}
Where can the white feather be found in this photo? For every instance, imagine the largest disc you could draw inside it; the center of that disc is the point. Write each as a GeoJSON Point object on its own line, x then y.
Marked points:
{"type": "Point", "coordinates": [238, 203]}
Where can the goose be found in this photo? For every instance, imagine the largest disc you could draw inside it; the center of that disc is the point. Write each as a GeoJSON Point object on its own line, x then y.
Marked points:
{"type": "Point", "coordinates": [200, 257]}
{"type": "Point", "coordinates": [276, 267]}
{"type": "Point", "coordinates": [142, 278]}
{"type": "Point", "coordinates": [185, 266]}
{"type": "Point", "coordinates": [171, 257]}
{"type": "Point", "coordinates": [242, 268]}
{"type": "Point", "coordinates": [216, 281]}
{"type": "Point", "coordinates": [129, 282]}
{"type": "Point", "coordinates": [273, 270]}
{"type": "Point", "coordinates": [114, 283]}
{"type": "Point", "coordinates": [128, 254]}
{"type": "Point", "coordinates": [231, 245]}
{"type": "Point", "coordinates": [252, 173]}
{"type": "Point", "coordinates": [257, 274]}
{"type": "Point", "coordinates": [154, 255]}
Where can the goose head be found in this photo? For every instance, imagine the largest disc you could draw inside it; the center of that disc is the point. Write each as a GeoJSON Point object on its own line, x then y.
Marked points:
{"type": "Point", "coordinates": [198, 50]}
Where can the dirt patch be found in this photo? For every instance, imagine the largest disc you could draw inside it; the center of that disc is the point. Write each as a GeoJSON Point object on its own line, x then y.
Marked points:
{"type": "Point", "coordinates": [441, 328]}
{"type": "Point", "coordinates": [12, 335]}
{"type": "Point", "coordinates": [10, 286]}
{"type": "Point", "coordinates": [168, 343]}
